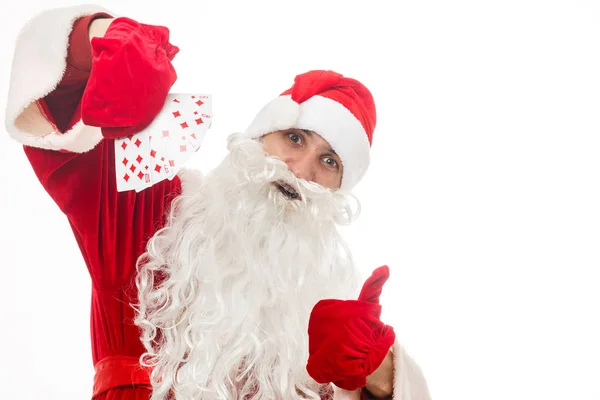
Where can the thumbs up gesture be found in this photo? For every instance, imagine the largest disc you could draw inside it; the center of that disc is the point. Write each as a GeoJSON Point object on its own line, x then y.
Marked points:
{"type": "Point", "coordinates": [347, 340]}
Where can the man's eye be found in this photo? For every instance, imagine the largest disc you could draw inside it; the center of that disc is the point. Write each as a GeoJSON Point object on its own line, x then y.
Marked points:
{"type": "Point", "coordinates": [295, 137]}
{"type": "Point", "coordinates": [331, 162]}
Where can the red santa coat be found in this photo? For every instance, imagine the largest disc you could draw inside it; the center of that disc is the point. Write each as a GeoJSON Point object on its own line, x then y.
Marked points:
{"type": "Point", "coordinates": [76, 166]}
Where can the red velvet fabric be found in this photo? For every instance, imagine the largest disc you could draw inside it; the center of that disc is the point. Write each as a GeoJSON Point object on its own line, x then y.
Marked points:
{"type": "Point", "coordinates": [63, 102]}
{"type": "Point", "coordinates": [111, 229]}
{"type": "Point", "coordinates": [349, 92]}
{"type": "Point", "coordinates": [130, 78]}
{"type": "Point", "coordinates": [347, 340]}
{"type": "Point", "coordinates": [119, 371]}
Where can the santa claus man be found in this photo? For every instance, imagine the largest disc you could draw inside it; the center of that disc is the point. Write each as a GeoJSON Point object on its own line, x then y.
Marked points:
{"type": "Point", "coordinates": [233, 285]}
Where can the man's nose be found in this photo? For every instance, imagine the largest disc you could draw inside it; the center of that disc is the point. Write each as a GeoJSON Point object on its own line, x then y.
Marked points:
{"type": "Point", "coordinates": [303, 167]}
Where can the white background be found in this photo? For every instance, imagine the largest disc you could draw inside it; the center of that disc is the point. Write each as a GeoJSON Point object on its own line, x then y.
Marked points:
{"type": "Point", "coordinates": [483, 195]}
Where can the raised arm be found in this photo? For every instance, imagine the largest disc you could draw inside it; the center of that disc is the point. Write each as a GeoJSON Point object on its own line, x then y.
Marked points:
{"type": "Point", "coordinates": [73, 159]}
{"type": "Point", "coordinates": [31, 120]}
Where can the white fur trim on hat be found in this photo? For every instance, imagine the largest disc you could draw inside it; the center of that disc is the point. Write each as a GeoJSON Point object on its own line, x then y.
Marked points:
{"type": "Point", "coordinates": [38, 65]}
{"type": "Point", "coordinates": [327, 117]}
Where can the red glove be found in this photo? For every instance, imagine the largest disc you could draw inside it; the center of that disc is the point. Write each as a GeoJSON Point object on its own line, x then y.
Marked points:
{"type": "Point", "coordinates": [130, 78]}
{"type": "Point", "coordinates": [347, 340]}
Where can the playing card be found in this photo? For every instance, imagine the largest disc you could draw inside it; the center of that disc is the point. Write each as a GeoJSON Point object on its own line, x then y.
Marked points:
{"type": "Point", "coordinates": [164, 146]}
{"type": "Point", "coordinates": [160, 168]}
{"type": "Point", "coordinates": [132, 163]}
{"type": "Point", "coordinates": [179, 129]}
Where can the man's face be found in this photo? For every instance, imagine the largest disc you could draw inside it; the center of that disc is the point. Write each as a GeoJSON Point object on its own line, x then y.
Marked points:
{"type": "Point", "coordinates": [307, 154]}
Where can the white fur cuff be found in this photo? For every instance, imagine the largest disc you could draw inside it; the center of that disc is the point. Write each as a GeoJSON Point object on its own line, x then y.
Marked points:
{"type": "Point", "coordinates": [38, 65]}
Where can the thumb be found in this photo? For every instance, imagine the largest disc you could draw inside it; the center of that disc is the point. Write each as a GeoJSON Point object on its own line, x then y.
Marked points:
{"type": "Point", "coordinates": [371, 289]}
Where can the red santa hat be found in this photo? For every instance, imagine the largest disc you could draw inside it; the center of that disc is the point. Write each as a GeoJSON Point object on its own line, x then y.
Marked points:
{"type": "Point", "coordinates": [340, 109]}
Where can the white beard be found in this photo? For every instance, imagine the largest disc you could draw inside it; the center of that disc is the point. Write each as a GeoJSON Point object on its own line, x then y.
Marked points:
{"type": "Point", "coordinates": [227, 287]}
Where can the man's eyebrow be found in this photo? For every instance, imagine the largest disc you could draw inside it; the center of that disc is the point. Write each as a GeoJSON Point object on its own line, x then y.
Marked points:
{"type": "Point", "coordinates": [309, 134]}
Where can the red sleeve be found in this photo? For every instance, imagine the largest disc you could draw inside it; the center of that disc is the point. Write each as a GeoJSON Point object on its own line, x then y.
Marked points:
{"type": "Point", "coordinates": [111, 227]}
